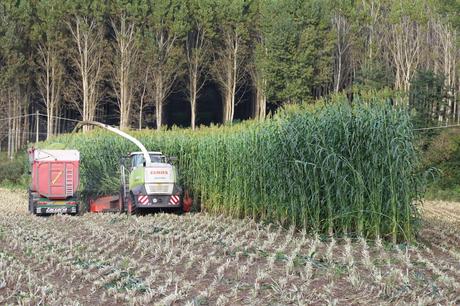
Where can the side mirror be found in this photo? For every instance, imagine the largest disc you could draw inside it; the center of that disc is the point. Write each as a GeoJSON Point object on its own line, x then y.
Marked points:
{"type": "Point", "coordinates": [124, 161]}
{"type": "Point", "coordinates": [172, 158]}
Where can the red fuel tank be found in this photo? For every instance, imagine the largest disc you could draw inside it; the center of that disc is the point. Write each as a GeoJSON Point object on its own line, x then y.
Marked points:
{"type": "Point", "coordinates": [55, 173]}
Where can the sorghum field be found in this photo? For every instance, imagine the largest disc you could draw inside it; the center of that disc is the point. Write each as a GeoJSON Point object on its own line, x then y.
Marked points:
{"type": "Point", "coordinates": [198, 259]}
{"type": "Point", "coordinates": [335, 168]}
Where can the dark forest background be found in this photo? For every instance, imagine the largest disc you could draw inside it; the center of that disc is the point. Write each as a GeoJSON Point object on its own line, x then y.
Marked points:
{"type": "Point", "coordinates": [153, 64]}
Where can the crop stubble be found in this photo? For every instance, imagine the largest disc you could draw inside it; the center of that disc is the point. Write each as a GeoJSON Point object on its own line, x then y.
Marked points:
{"type": "Point", "coordinates": [199, 259]}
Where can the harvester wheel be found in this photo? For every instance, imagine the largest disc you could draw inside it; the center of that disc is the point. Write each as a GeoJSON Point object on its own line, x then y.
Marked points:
{"type": "Point", "coordinates": [122, 203]}
{"type": "Point", "coordinates": [130, 205]}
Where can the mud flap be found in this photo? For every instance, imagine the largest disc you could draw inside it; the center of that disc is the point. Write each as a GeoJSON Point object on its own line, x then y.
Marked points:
{"type": "Point", "coordinates": [187, 202]}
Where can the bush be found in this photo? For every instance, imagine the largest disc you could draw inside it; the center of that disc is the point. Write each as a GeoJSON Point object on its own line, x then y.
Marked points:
{"type": "Point", "coordinates": [441, 150]}
{"type": "Point", "coordinates": [334, 169]}
{"type": "Point", "coordinates": [13, 171]}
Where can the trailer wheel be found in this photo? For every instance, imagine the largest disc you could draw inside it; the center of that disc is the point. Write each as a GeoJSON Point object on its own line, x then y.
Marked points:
{"type": "Point", "coordinates": [81, 207]}
{"type": "Point", "coordinates": [31, 203]}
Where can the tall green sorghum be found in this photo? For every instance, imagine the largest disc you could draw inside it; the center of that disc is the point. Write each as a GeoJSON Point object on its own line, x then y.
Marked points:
{"type": "Point", "coordinates": [333, 169]}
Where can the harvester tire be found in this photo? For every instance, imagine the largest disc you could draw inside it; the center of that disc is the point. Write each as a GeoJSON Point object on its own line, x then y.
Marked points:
{"type": "Point", "coordinates": [125, 200]}
{"type": "Point", "coordinates": [130, 205]}
{"type": "Point", "coordinates": [122, 200]}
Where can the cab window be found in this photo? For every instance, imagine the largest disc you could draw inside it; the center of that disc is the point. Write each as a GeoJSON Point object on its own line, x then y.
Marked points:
{"type": "Point", "coordinates": [155, 158]}
{"type": "Point", "coordinates": [138, 159]}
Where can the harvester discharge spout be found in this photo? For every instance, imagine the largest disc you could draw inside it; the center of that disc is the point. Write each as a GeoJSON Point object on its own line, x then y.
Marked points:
{"type": "Point", "coordinates": [119, 132]}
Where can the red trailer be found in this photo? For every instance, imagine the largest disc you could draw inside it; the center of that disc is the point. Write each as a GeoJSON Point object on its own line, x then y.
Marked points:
{"type": "Point", "coordinates": [55, 179]}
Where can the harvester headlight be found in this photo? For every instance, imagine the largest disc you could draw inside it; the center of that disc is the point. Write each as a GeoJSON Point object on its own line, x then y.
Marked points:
{"type": "Point", "coordinates": [162, 188]}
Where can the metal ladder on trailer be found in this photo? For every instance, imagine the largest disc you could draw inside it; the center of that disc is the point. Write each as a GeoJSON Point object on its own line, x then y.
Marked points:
{"type": "Point", "coordinates": [69, 182]}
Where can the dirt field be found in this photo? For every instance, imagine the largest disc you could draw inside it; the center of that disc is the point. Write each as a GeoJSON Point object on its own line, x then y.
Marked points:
{"type": "Point", "coordinates": [197, 259]}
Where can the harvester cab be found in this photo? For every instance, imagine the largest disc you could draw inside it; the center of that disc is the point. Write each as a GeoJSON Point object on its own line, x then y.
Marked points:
{"type": "Point", "coordinates": [148, 184]}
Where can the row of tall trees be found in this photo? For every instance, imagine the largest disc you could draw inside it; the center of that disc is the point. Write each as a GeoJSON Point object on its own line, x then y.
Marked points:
{"type": "Point", "coordinates": [77, 53]}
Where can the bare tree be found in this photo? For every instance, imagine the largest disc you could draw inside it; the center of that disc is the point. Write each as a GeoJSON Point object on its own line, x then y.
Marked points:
{"type": "Point", "coordinates": [164, 70]}
{"type": "Point", "coordinates": [50, 81]}
{"type": "Point", "coordinates": [126, 59]}
{"type": "Point", "coordinates": [373, 9]}
{"type": "Point", "coordinates": [446, 61]}
{"type": "Point", "coordinates": [342, 63]}
{"type": "Point", "coordinates": [404, 43]}
{"type": "Point", "coordinates": [4, 122]}
{"type": "Point", "coordinates": [17, 112]}
{"type": "Point", "coordinates": [259, 85]}
{"type": "Point", "coordinates": [196, 50]}
{"type": "Point", "coordinates": [228, 70]}
{"type": "Point", "coordinates": [88, 60]}
{"type": "Point", "coordinates": [143, 95]}
{"type": "Point", "coordinates": [257, 73]}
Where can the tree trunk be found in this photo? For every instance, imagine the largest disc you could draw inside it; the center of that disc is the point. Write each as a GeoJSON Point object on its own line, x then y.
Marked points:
{"type": "Point", "coordinates": [25, 128]}
{"type": "Point", "coordinates": [88, 59]}
{"type": "Point", "coordinates": [193, 110]}
{"type": "Point", "coordinates": [126, 60]}
{"type": "Point", "coordinates": [227, 72]}
{"type": "Point", "coordinates": [342, 44]}
{"type": "Point", "coordinates": [50, 81]}
{"type": "Point", "coordinates": [196, 56]}
{"type": "Point", "coordinates": [144, 91]}
{"type": "Point", "coordinates": [10, 128]}
{"type": "Point", "coordinates": [260, 101]}
{"type": "Point", "coordinates": [49, 122]}
{"type": "Point", "coordinates": [159, 100]}
{"type": "Point", "coordinates": [164, 71]}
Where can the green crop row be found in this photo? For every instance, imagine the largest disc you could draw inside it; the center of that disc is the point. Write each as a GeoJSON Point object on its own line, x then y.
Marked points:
{"type": "Point", "coordinates": [333, 169]}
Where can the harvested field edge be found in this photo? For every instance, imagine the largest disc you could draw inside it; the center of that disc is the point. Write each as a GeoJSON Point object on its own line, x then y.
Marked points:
{"type": "Point", "coordinates": [199, 259]}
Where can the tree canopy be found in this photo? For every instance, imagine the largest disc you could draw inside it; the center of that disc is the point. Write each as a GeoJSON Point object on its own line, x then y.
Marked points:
{"type": "Point", "coordinates": [147, 63]}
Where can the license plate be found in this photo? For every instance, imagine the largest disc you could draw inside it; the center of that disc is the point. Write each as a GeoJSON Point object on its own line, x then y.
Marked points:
{"type": "Point", "coordinates": [51, 210]}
